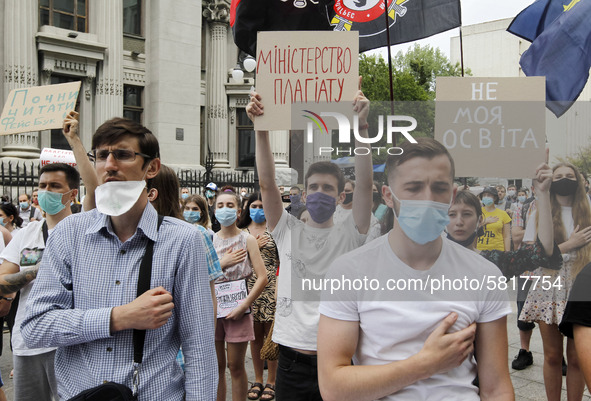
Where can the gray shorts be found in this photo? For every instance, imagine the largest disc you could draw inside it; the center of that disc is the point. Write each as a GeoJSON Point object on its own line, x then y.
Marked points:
{"type": "Point", "coordinates": [34, 377]}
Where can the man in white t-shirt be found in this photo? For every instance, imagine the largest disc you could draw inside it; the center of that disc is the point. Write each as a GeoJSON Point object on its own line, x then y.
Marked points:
{"type": "Point", "coordinates": [34, 375]}
{"type": "Point", "coordinates": [409, 338]}
{"type": "Point", "coordinates": [306, 250]}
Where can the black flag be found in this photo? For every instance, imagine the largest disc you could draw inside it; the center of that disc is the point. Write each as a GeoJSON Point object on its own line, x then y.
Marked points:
{"type": "Point", "coordinates": [247, 17]}
{"type": "Point", "coordinates": [408, 20]}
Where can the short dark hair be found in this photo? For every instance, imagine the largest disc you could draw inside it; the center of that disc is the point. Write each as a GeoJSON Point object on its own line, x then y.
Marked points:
{"type": "Point", "coordinates": [10, 210]}
{"type": "Point", "coordinates": [113, 130]}
{"type": "Point", "coordinates": [425, 147]}
{"type": "Point", "coordinates": [326, 168]}
{"type": "Point", "coordinates": [468, 198]}
{"type": "Point", "coordinates": [491, 191]}
{"type": "Point", "coordinates": [72, 175]}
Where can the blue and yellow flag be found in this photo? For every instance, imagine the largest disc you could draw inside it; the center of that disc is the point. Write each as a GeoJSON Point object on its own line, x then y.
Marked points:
{"type": "Point", "coordinates": [532, 21]}
{"type": "Point", "coordinates": [562, 53]}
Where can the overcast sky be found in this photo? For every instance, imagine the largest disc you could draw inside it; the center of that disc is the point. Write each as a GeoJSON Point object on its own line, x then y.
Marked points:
{"type": "Point", "coordinates": [473, 12]}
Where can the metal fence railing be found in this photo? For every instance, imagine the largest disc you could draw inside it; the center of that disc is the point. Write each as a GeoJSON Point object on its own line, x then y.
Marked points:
{"type": "Point", "coordinates": [18, 177]}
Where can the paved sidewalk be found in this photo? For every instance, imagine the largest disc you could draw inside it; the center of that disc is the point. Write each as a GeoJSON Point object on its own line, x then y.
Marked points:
{"type": "Point", "coordinates": [528, 383]}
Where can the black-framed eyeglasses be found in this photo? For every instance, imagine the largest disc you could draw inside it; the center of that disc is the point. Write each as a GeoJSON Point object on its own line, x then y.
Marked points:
{"type": "Point", "coordinates": [122, 155]}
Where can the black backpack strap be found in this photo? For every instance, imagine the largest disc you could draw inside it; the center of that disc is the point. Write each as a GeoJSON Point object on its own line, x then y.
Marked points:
{"type": "Point", "coordinates": [143, 285]}
{"type": "Point", "coordinates": [45, 232]}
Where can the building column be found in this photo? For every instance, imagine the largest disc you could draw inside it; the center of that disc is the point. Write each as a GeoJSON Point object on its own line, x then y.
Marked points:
{"type": "Point", "coordinates": [279, 141]}
{"type": "Point", "coordinates": [107, 23]}
{"type": "Point", "coordinates": [217, 13]}
{"type": "Point", "coordinates": [20, 68]}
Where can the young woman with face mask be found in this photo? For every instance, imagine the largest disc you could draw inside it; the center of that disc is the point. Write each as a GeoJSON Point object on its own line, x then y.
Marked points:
{"type": "Point", "coordinates": [239, 256]}
{"type": "Point", "coordinates": [253, 221]}
{"type": "Point", "coordinates": [571, 216]}
{"type": "Point", "coordinates": [196, 211]}
{"type": "Point", "coordinates": [9, 217]}
{"type": "Point", "coordinates": [465, 215]}
{"type": "Point", "coordinates": [496, 223]}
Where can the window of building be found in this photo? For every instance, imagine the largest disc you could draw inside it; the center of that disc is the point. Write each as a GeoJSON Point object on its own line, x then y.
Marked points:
{"type": "Point", "coordinates": [132, 102]}
{"type": "Point", "coordinates": [67, 14]}
{"type": "Point", "coordinates": [132, 17]}
{"type": "Point", "coordinates": [246, 141]}
{"type": "Point", "coordinates": [58, 141]}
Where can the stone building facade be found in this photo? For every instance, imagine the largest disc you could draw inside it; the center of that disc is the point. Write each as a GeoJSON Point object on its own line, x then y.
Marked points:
{"type": "Point", "coordinates": [167, 64]}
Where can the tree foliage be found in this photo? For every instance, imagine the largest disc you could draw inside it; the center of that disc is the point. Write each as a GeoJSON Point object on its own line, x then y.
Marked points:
{"type": "Point", "coordinates": [581, 160]}
{"type": "Point", "coordinates": [413, 75]}
{"type": "Point", "coordinates": [425, 64]}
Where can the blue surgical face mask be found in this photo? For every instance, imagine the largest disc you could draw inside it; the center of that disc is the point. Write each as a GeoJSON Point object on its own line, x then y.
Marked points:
{"type": "Point", "coordinates": [51, 202]}
{"type": "Point", "coordinates": [3, 223]}
{"type": "Point", "coordinates": [24, 205]}
{"type": "Point", "coordinates": [320, 206]}
{"type": "Point", "coordinates": [257, 215]}
{"type": "Point", "coordinates": [209, 194]}
{"type": "Point", "coordinates": [521, 198]}
{"type": "Point", "coordinates": [226, 216]}
{"type": "Point", "coordinates": [192, 216]}
{"type": "Point", "coordinates": [422, 220]}
{"type": "Point", "coordinates": [184, 196]}
{"type": "Point", "coordinates": [486, 201]}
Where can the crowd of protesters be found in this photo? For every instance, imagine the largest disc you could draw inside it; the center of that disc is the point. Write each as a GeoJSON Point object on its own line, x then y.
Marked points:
{"type": "Point", "coordinates": [226, 266]}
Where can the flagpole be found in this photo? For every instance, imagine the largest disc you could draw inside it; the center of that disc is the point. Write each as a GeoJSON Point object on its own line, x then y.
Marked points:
{"type": "Point", "coordinates": [462, 51]}
{"type": "Point", "coordinates": [390, 65]}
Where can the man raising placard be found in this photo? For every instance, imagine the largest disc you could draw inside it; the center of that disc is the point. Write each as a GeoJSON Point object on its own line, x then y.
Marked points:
{"type": "Point", "coordinates": [306, 250]}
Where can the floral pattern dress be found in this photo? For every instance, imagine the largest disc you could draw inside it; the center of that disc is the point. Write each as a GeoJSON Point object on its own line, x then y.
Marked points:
{"type": "Point", "coordinates": [546, 303]}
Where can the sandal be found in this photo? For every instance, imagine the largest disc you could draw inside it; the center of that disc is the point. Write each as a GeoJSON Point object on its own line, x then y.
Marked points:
{"type": "Point", "coordinates": [255, 389]}
{"type": "Point", "coordinates": [269, 392]}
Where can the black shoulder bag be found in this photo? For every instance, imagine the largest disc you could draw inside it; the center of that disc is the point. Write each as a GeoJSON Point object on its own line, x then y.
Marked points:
{"type": "Point", "coordinates": [112, 391]}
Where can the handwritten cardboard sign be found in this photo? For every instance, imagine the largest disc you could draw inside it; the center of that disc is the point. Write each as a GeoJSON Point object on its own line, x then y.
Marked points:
{"type": "Point", "coordinates": [493, 127]}
{"type": "Point", "coordinates": [304, 67]}
{"type": "Point", "coordinates": [38, 108]}
{"type": "Point", "coordinates": [49, 156]}
{"type": "Point", "coordinates": [229, 295]}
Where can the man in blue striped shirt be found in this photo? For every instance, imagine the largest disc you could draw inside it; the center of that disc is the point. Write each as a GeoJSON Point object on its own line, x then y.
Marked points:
{"type": "Point", "coordinates": [84, 300]}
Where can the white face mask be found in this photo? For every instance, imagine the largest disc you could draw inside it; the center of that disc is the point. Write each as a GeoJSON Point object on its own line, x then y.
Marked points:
{"type": "Point", "coordinates": [115, 198]}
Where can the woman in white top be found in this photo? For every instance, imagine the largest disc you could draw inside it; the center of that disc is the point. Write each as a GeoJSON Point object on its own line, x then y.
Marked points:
{"type": "Point", "coordinates": [545, 303]}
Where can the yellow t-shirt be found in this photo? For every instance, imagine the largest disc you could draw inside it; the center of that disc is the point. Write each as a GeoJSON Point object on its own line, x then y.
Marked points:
{"type": "Point", "coordinates": [493, 233]}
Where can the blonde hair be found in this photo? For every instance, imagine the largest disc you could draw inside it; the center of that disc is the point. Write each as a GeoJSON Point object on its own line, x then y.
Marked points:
{"type": "Point", "coordinates": [581, 217]}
